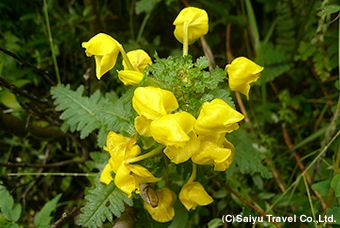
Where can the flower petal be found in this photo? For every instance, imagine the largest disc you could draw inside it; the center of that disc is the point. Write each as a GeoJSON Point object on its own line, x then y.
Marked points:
{"type": "Point", "coordinates": [164, 212]}
{"type": "Point", "coordinates": [153, 102]}
{"type": "Point", "coordinates": [173, 129]}
{"type": "Point", "coordinates": [197, 20]}
{"type": "Point", "coordinates": [193, 194]}
{"type": "Point", "coordinates": [242, 72]}
{"type": "Point", "coordinates": [217, 117]}
{"type": "Point", "coordinates": [215, 149]}
{"type": "Point", "coordinates": [120, 149]}
{"type": "Point", "coordinates": [106, 176]}
{"type": "Point", "coordinates": [139, 59]}
{"type": "Point", "coordinates": [105, 50]}
{"type": "Point", "coordinates": [182, 154]}
{"type": "Point", "coordinates": [130, 77]}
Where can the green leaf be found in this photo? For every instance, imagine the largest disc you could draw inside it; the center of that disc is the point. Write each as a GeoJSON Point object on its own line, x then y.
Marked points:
{"type": "Point", "coordinates": [329, 10]}
{"type": "Point", "coordinates": [335, 212]}
{"type": "Point", "coordinates": [214, 223]}
{"type": "Point", "coordinates": [247, 158]}
{"type": "Point", "coordinates": [10, 211]}
{"type": "Point", "coordinates": [336, 184]}
{"type": "Point", "coordinates": [181, 216]}
{"type": "Point", "coordinates": [43, 217]}
{"type": "Point", "coordinates": [145, 6]}
{"type": "Point", "coordinates": [86, 114]}
{"type": "Point", "coordinates": [322, 187]}
{"type": "Point", "coordinates": [78, 111]}
{"type": "Point", "coordinates": [103, 201]}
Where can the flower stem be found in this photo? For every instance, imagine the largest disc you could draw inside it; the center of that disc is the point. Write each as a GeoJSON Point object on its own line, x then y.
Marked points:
{"type": "Point", "coordinates": [193, 174]}
{"type": "Point", "coordinates": [125, 57]}
{"type": "Point", "coordinates": [54, 59]}
{"type": "Point", "coordinates": [185, 38]}
{"type": "Point", "coordinates": [144, 156]}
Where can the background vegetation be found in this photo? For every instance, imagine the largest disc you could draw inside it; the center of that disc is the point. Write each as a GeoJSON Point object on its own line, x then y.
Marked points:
{"type": "Point", "coordinates": [288, 152]}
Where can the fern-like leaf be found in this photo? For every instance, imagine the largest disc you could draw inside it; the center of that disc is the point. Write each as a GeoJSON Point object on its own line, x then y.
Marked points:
{"type": "Point", "coordinates": [275, 61]}
{"type": "Point", "coordinates": [86, 114]}
{"type": "Point", "coordinates": [102, 202]}
{"type": "Point", "coordinates": [247, 158]}
{"type": "Point", "coordinates": [78, 111]}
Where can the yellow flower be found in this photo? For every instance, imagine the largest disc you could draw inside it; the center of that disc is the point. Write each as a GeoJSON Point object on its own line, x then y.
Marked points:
{"type": "Point", "coordinates": [139, 60]}
{"type": "Point", "coordinates": [105, 51]}
{"type": "Point", "coordinates": [193, 194]}
{"type": "Point", "coordinates": [130, 176]}
{"type": "Point", "coordinates": [195, 19]}
{"type": "Point", "coordinates": [176, 132]}
{"type": "Point", "coordinates": [120, 149]}
{"type": "Point", "coordinates": [151, 103]}
{"type": "Point", "coordinates": [217, 117]}
{"type": "Point", "coordinates": [130, 77]}
{"type": "Point", "coordinates": [215, 149]}
{"type": "Point", "coordinates": [242, 72]}
{"type": "Point", "coordinates": [164, 212]}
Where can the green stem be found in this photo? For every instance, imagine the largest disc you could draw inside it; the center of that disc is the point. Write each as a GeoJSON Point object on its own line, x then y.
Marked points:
{"type": "Point", "coordinates": [145, 156]}
{"type": "Point", "coordinates": [185, 38]}
{"type": "Point", "coordinates": [193, 174]}
{"type": "Point", "coordinates": [125, 57]}
{"type": "Point", "coordinates": [54, 174]}
{"type": "Point", "coordinates": [51, 44]}
{"type": "Point", "coordinates": [142, 27]}
{"type": "Point", "coordinates": [310, 199]}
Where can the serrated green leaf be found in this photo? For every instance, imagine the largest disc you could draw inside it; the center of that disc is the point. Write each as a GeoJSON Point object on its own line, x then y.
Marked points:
{"type": "Point", "coordinates": [247, 158]}
{"type": "Point", "coordinates": [99, 160]}
{"type": "Point", "coordinates": [86, 114]}
{"type": "Point", "coordinates": [78, 111]}
{"type": "Point", "coordinates": [103, 201]}
{"type": "Point", "coordinates": [10, 211]}
{"type": "Point", "coordinates": [43, 217]}
{"type": "Point", "coordinates": [336, 184]}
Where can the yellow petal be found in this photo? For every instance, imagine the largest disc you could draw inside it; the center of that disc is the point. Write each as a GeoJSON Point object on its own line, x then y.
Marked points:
{"type": "Point", "coordinates": [164, 212]}
{"type": "Point", "coordinates": [105, 50]}
{"type": "Point", "coordinates": [215, 149]}
{"type": "Point", "coordinates": [153, 102]}
{"type": "Point", "coordinates": [197, 20]}
{"type": "Point", "coordinates": [125, 181]}
{"type": "Point", "coordinates": [130, 176]}
{"type": "Point", "coordinates": [173, 129]}
{"type": "Point", "coordinates": [130, 77]}
{"type": "Point", "coordinates": [193, 194]}
{"type": "Point", "coordinates": [182, 154]}
{"type": "Point", "coordinates": [106, 176]}
{"type": "Point", "coordinates": [217, 117]}
{"type": "Point", "coordinates": [242, 72]}
{"type": "Point", "coordinates": [142, 125]}
{"type": "Point", "coordinates": [139, 59]}
{"type": "Point", "coordinates": [120, 149]}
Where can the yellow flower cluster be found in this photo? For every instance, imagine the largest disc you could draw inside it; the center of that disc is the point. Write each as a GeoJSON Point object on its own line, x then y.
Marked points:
{"type": "Point", "coordinates": [106, 49]}
{"type": "Point", "coordinates": [181, 135]}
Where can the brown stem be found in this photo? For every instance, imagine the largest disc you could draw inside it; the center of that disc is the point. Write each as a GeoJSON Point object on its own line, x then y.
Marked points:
{"type": "Point", "coordinates": [243, 200]}
{"type": "Point", "coordinates": [23, 62]}
{"type": "Point", "coordinates": [300, 164]}
{"type": "Point", "coordinates": [65, 215]}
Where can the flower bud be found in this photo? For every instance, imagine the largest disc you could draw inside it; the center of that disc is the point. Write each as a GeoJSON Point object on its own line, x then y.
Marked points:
{"type": "Point", "coordinates": [195, 19]}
